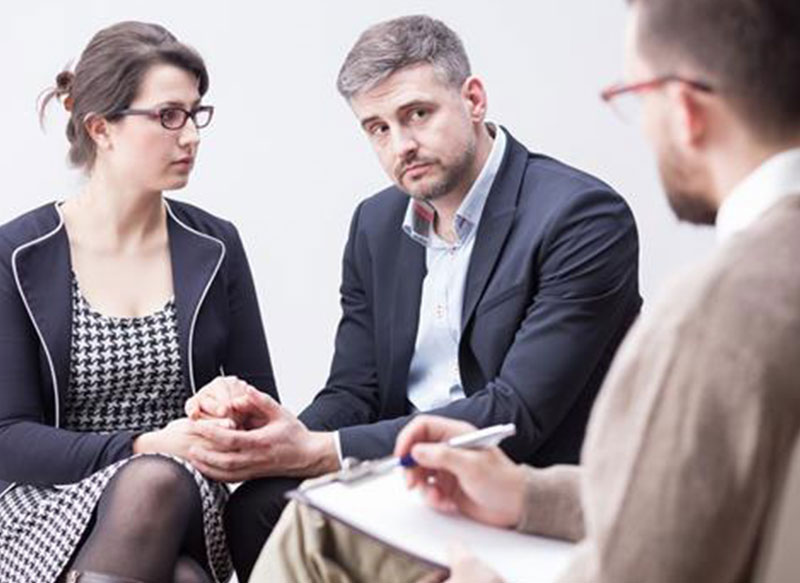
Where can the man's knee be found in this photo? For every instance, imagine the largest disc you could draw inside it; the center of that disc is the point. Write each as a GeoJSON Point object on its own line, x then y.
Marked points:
{"type": "Point", "coordinates": [258, 503]}
{"type": "Point", "coordinates": [250, 515]}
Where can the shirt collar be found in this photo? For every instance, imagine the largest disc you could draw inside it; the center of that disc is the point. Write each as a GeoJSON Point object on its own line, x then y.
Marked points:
{"type": "Point", "coordinates": [775, 179]}
{"type": "Point", "coordinates": [420, 214]}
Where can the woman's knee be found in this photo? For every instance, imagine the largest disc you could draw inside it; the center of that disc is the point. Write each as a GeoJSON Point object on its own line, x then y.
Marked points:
{"type": "Point", "coordinates": [187, 570]}
{"type": "Point", "coordinates": [155, 483]}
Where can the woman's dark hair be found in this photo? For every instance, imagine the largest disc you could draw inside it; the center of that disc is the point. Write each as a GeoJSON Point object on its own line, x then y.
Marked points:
{"type": "Point", "coordinates": [108, 75]}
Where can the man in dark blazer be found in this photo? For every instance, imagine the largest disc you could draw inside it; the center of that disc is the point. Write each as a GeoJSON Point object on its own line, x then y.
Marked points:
{"type": "Point", "coordinates": [488, 284]}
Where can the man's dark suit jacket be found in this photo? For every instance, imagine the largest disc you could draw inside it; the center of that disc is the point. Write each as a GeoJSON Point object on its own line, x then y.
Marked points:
{"type": "Point", "coordinates": [551, 289]}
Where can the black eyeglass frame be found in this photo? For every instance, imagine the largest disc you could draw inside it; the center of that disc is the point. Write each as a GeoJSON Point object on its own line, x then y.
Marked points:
{"type": "Point", "coordinates": [161, 112]}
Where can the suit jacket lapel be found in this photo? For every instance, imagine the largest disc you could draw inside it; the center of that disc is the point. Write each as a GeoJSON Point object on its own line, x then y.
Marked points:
{"type": "Point", "coordinates": [194, 262]}
{"type": "Point", "coordinates": [494, 226]}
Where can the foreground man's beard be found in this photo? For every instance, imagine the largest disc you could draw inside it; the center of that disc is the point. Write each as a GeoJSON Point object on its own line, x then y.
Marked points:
{"type": "Point", "coordinates": [689, 202]}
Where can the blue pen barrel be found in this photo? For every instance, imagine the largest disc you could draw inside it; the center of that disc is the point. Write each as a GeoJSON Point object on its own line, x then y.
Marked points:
{"type": "Point", "coordinates": [407, 461]}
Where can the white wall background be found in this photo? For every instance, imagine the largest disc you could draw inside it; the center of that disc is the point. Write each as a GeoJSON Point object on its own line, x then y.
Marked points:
{"type": "Point", "coordinates": [284, 158]}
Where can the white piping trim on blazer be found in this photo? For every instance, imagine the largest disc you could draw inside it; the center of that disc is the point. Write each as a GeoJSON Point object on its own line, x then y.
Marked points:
{"type": "Point", "coordinates": [7, 490]}
{"type": "Point", "coordinates": [205, 291]}
{"type": "Point", "coordinates": [30, 313]}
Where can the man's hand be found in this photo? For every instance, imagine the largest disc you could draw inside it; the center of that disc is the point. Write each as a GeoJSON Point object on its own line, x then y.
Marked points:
{"type": "Point", "coordinates": [464, 568]}
{"type": "Point", "coordinates": [273, 443]}
{"type": "Point", "coordinates": [482, 484]}
{"type": "Point", "coordinates": [215, 401]}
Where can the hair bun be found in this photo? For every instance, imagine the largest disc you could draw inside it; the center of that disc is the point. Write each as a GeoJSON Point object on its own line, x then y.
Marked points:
{"type": "Point", "coordinates": [64, 82]}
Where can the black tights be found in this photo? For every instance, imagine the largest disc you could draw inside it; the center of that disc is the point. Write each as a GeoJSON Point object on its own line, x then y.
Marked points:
{"type": "Point", "coordinates": [148, 526]}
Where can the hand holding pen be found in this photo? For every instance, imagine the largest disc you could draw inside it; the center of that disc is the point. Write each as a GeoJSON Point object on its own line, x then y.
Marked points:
{"type": "Point", "coordinates": [478, 439]}
{"type": "Point", "coordinates": [475, 480]}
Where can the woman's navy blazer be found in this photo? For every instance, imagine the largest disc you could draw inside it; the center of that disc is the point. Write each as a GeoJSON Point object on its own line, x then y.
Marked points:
{"type": "Point", "coordinates": [219, 329]}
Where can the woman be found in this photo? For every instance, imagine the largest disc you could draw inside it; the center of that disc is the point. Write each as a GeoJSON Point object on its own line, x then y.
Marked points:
{"type": "Point", "coordinates": [116, 306]}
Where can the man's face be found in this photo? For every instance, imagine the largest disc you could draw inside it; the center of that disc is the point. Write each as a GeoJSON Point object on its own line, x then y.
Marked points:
{"type": "Point", "coordinates": [421, 128]}
{"type": "Point", "coordinates": [683, 171]}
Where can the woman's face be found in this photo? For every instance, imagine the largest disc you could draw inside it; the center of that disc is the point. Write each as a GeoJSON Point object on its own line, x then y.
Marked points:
{"type": "Point", "coordinates": [141, 152]}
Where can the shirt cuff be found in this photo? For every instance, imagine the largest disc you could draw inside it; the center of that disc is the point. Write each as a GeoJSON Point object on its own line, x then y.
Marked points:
{"type": "Point", "coordinates": [338, 444]}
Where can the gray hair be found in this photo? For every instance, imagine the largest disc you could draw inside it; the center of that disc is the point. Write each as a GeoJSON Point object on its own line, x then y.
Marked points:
{"type": "Point", "coordinates": [387, 47]}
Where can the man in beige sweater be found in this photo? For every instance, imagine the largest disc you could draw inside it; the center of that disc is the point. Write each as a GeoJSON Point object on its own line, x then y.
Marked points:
{"type": "Point", "coordinates": [691, 435]}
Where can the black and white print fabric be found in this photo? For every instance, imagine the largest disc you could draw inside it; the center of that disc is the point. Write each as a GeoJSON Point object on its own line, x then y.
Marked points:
{"type": "Point", "coordinates": [125, 374]}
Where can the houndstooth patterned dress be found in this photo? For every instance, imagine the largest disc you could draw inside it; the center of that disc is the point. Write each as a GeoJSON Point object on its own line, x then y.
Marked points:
{"type": "Point", "coordinates": [125, 374]}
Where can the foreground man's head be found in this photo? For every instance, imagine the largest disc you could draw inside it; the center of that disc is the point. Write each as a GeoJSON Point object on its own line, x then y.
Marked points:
{"type": "Point", "coordinates": [719, 91]}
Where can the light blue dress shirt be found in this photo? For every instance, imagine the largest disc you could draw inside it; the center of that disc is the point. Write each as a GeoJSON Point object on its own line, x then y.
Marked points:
{"type": "Point", "coordinates": [434, 379]}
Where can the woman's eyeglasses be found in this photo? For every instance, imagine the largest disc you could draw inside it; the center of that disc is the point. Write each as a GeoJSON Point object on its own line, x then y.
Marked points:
{"type": "Point", "coordinates": [174, 118]}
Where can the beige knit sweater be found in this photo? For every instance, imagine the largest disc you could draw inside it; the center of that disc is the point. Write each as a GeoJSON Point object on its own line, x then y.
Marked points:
{"type": "Point", "coordinates": [694, 426]}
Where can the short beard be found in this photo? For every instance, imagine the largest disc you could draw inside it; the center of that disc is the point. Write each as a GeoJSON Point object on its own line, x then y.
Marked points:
{"type": "Point", "coordinates": [689, 202]}
{"type": "Point", "coordinates": [454, 176]}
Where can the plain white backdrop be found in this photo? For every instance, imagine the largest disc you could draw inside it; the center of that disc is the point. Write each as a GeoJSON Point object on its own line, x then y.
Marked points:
{"type": "Point", "coordinates": [284, 158]}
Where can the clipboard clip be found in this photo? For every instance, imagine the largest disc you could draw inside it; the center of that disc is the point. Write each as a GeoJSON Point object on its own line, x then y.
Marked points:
{"type": "Point", "coordinates": [354, 470]}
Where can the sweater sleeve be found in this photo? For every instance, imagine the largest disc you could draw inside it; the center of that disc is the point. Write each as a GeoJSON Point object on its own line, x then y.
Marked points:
{"type": "Point", "coordinates": [552, 503]}
{"type": "Point", "coordinates": [687, 442]}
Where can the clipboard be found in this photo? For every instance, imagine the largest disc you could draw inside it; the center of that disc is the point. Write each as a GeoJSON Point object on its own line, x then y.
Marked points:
{"type": "Point", "coordinates": [374, 500]}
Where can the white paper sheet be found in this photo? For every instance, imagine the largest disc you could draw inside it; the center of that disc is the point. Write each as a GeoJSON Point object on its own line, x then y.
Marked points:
{"type": "Point", "coordinates": [385, 509]}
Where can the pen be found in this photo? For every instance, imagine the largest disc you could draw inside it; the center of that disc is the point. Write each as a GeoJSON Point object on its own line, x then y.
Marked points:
{"type": "Point", "coordinates": [354, 470]}
{"type": "Point", "coordinates": [480, 439]}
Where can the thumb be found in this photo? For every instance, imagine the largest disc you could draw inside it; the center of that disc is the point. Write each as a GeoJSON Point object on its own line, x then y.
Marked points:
{"type": "Point", "coordinates": [457, 551]}
{"type": "Point", "coordinates": [191, 409]}
{"type": "Point", "coordinates": [438, 576]}
{"type": "Point", "coordinates": [223, 422]}
{"type": "Point", "coordinates": [265, 404]}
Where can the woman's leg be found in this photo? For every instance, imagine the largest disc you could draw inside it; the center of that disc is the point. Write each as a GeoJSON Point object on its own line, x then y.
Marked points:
{"type": "Point", "coordinates": [148, 517]}
{"type": "Point", "coordinates": [188, 570]}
